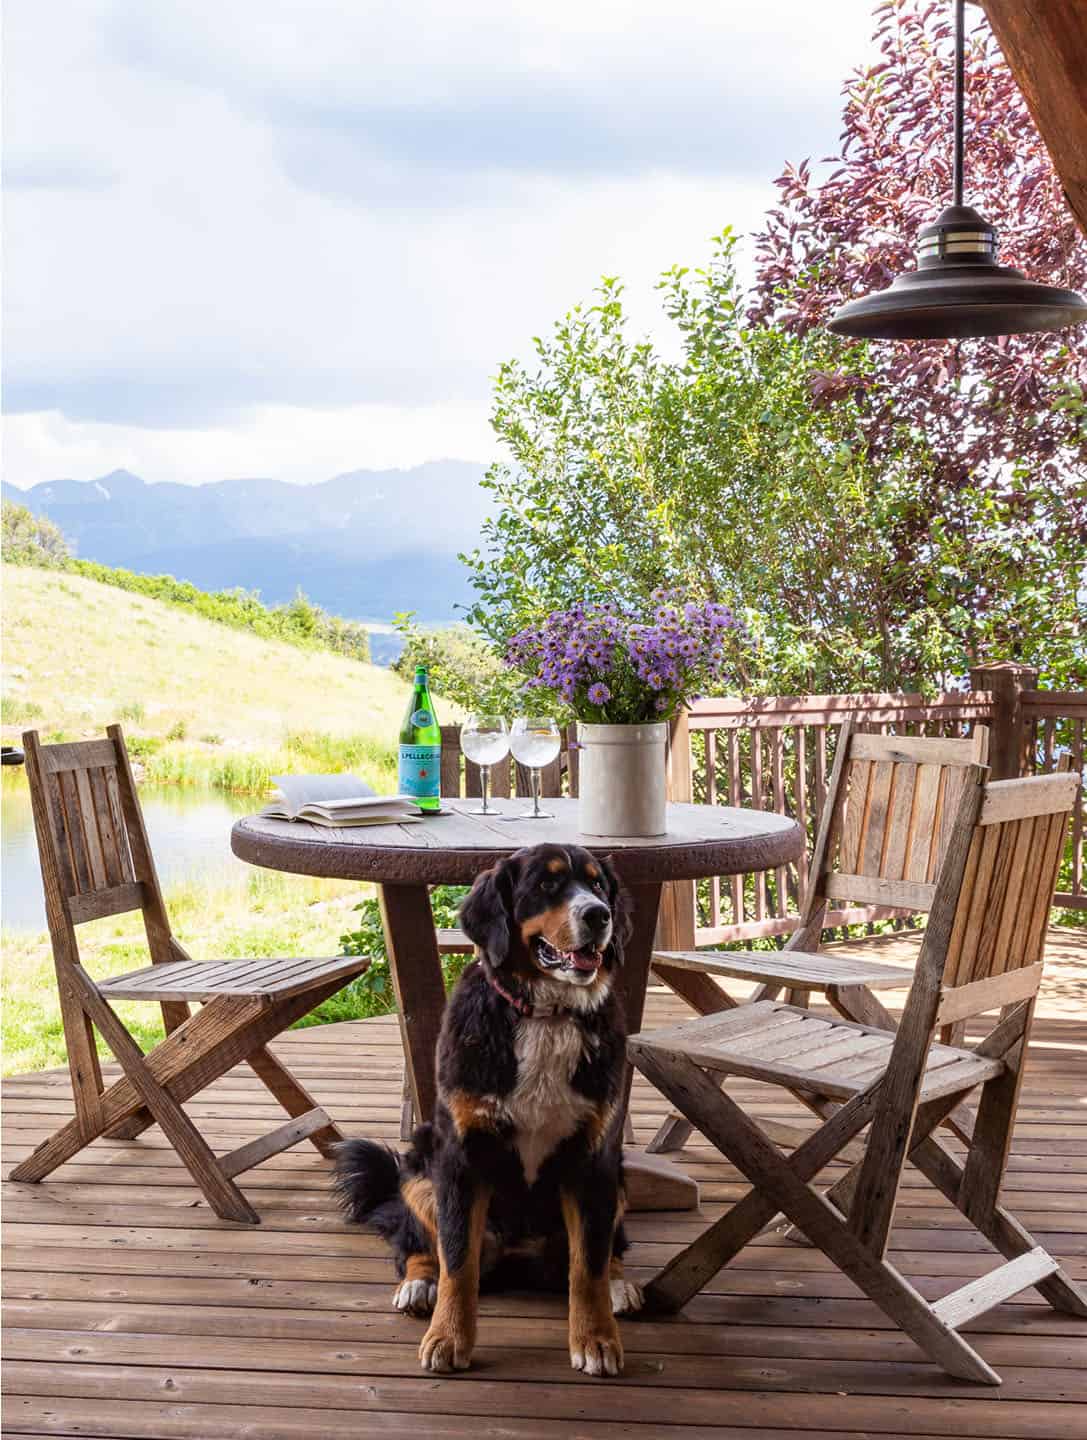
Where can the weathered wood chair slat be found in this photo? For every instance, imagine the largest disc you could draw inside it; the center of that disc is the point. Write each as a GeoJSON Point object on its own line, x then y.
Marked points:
{"type": "Point", "coordinates": [96, 861]}
{"type": "Point", "coordinates": [982, 952]}
{"type": "Point", "coordinates": [883, 829]}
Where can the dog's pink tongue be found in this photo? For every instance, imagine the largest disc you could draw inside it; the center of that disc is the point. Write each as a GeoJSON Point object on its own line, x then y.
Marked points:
{"type": "Point", "coordinates": [585, 959]}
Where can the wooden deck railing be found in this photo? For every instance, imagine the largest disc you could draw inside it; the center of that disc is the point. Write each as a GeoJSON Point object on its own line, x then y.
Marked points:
{"type": "Point", "coordinates": [1055, 722]}
{"type": "Point", "coordinates": [775, 753]}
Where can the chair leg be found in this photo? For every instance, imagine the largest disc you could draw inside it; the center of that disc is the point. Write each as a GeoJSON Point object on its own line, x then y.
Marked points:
{"type": "Point", "coordinates": [130, 1128]}
{"type": "Point", "coordinates": [1000, 1226]}
{"type": "Point", "coordinates": [741, 1141]}
{"type": "Point", "coordinates": [294, 1097]}
{"type": "Point", "coordinates": [692, 1269]}
{"type": "Point", "coordinates": [196, 1154]}
{"type": "Point", "coordinates": [209, 1044]}
{"type": "Point", "coordinates": [672, 1135]}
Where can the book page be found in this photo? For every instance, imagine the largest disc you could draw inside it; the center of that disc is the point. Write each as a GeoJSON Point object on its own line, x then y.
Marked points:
{"type": "Point", "coordinates": [299, 790]}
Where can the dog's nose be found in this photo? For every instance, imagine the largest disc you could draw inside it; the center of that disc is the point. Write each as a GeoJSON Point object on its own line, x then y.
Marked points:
{"type": "Point", "coordinates": [597, 918]}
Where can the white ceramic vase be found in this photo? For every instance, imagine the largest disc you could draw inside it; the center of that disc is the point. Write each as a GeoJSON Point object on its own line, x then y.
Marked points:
{"type": "Point", "coordinates": [621, 779]}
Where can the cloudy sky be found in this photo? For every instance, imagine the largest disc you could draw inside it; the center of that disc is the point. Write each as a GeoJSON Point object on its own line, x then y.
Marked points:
{"type": "Point", "coordinates": [295, 237]}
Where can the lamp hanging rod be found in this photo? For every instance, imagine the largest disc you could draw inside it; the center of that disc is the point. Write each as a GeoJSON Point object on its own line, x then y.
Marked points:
{"type": "Point", "coordinates": [960, 86]}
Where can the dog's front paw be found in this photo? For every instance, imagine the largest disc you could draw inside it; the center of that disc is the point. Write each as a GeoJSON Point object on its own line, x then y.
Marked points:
{"type": "Point", "coordinates": [597, 1352]}
{"type": "Point", "coordinates": [627, 1297]}
{"type": "Point", "coordinates": [416, 1297]}
{"type": "Point", "coordinates": [443, 1350]}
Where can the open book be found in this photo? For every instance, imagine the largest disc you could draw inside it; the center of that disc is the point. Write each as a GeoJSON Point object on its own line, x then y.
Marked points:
{"type": "Point", "coordinates": [337, 800]}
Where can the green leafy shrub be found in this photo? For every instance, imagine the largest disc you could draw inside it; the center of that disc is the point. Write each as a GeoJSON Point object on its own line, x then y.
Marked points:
{"type": "Point", "coordinates": [299, 623]}
{"type": "Point", "coordinates": [741, 469]}
{"type": "Point", "coordinates": [143, 747]}
{"type": "Point", "coordinates": [372, 992]}
{"type": "Point", "coordinates": [460, 664]}
{"type": "Point", "coordinates": [29, 539]}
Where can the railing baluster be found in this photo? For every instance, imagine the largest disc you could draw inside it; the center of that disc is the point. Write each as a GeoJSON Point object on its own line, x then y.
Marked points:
{"type": "Point", "coordinates": [777, 780]}
{"type": "Point", "coordinates": [735, 795]}
{"type": "Point", "coordinates": [820, 771]}
{"type": "Point", "coordinates": [800, 742]}
{"type": "Point", "coordinates": [1078, 879]}
{"type": "Point", "coordinates": [711, 799]}
{"type": "Point", "coordinates": [755, 740]}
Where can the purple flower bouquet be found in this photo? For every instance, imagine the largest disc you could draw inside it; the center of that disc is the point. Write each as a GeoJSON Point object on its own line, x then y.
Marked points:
{"type": "Point", "coordinates": [611, 666]}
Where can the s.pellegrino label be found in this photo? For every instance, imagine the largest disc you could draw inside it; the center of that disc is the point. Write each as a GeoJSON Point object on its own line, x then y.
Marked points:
{"type": "Point", "coordinates": [421, 747]}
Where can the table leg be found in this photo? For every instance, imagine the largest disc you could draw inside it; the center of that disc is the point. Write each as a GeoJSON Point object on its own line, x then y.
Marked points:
{"type": "Point", "coordinates": [416, 969]}
{"type": "Point", "coordinates": [652, 1183]}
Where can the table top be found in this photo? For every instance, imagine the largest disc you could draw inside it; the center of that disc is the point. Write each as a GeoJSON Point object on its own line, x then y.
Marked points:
{"type": "Point", "coordinates": [452, 848]}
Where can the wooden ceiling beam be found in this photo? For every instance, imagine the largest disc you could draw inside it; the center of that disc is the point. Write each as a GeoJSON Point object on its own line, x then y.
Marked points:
{"type": "Point", "coordinates": [1045, 43]}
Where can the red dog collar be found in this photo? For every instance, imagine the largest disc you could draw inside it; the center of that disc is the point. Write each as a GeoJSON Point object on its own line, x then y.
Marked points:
{"type": "Point", "coordinates": [525, 1007]}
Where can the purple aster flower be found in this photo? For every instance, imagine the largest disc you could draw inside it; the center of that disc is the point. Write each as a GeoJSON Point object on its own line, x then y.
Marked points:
{"type": "Point", "coordinates": [598, 693]}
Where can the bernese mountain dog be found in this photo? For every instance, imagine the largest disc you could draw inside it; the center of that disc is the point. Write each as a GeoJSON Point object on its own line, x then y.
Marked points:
{"type": "Point", "coordinates": [519, 1179]}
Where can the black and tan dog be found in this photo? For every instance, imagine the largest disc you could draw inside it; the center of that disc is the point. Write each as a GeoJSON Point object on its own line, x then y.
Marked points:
{"type": "Point", "coordinates": [519, 1178]}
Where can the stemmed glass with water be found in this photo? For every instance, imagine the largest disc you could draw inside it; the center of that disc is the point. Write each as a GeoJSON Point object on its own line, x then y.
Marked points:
{"type": "Point", "coordinates": [535, 741]}
{"type": "Point", "coordinates": [485, 740]}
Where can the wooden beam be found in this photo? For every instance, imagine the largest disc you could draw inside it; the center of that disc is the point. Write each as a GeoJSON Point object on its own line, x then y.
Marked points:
{"type": "Point", "coordinates": [1045, 44]}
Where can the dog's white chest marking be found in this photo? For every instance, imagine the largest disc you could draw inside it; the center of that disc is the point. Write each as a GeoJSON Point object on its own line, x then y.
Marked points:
{"type": "Point", "coordinates": [544, 1106]}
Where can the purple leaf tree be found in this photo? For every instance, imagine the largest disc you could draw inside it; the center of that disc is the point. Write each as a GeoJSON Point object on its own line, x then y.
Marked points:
{"type": "Point", "coordinates": [1007, 414]}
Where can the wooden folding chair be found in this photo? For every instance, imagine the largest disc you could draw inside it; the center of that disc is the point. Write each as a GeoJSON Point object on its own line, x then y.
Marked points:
{"type": "Point", "coordinates": [890, 804]}
{"type": "Point", "coordinates": [96, 861]}
{"type": "Point", "coordinates": [982, 951]}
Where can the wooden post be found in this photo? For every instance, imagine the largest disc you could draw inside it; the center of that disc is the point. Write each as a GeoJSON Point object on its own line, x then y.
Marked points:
{"type": "Point", "coordinates": [1009, 740]}
{"type": "Point", "coordinates": [676, 925]}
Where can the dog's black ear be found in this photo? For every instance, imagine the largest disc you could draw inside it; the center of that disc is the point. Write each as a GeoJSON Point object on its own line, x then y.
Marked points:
{"type": "Point", "coordinates": [622, 918]}
{"type": "Point", "coordinates": [486, 912]}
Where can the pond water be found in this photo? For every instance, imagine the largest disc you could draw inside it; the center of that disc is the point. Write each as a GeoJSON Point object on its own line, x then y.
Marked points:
{"type": "Point", "coordinates": [189, 832]}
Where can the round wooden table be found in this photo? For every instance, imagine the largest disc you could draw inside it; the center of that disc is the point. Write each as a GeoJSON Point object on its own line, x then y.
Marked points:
{"type": "Point", "coordinates": [453, 848]}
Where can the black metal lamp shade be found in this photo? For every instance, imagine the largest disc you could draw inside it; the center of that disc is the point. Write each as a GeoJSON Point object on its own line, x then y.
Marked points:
{"type": "Point", "coordinates": [958, 290]}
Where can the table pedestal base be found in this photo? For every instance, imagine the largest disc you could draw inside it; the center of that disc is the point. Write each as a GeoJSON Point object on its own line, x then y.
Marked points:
{"type": "Point", "coordinates": [654, 1183]}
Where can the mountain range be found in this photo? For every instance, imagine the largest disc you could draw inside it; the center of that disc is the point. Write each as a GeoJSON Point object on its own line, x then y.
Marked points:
{"type": "Point", "coordinates": [364, 544]}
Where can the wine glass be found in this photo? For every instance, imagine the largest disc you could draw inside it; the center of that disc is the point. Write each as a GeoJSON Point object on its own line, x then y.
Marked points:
{"type": "Point", "coordinates": [535, 741]}
{"type": "Point", "coordinates": [485, 740]}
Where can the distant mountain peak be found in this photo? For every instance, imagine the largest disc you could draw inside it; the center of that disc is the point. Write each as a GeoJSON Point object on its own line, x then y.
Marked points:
{"type": "Point", "coordinates": [364, 543]}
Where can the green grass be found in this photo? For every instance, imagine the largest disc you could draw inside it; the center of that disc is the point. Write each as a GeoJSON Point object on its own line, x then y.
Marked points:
{"type": "Point", "coordinates": [269, 914]}
{"type": "Point", "coordinates": [202, 704]}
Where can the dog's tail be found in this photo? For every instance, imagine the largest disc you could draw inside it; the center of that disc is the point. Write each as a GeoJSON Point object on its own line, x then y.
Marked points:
{"type": "Point", "coordinates": [367, 1178]}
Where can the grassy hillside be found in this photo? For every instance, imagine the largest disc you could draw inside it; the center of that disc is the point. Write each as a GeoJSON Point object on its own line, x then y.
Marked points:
{"type": "Point", "coordinates": [201, 703]}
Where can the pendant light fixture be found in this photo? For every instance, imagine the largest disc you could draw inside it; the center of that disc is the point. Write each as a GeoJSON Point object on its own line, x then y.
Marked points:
{"type": "Point", "coordinates": [958, 290]}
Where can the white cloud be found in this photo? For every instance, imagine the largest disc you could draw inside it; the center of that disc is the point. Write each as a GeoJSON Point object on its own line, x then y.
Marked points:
{"type": "Point", "coordinates": [232, 245]}
{"type": "Point", "coordinates": [278, 441]}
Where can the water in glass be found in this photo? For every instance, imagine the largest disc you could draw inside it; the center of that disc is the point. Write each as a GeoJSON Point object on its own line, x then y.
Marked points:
{"type": "Point", "coordinates": [535, 742]}
{"type": "Point", "coordinates": [485, 741]}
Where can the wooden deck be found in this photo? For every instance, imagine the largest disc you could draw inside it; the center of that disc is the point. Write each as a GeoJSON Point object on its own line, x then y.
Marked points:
{"type": "Point", "coordinates": [133, 1312]}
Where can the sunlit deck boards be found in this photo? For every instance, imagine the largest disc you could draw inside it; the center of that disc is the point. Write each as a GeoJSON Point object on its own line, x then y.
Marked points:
{"type": "Point", "coordinates": [133, 1312]}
